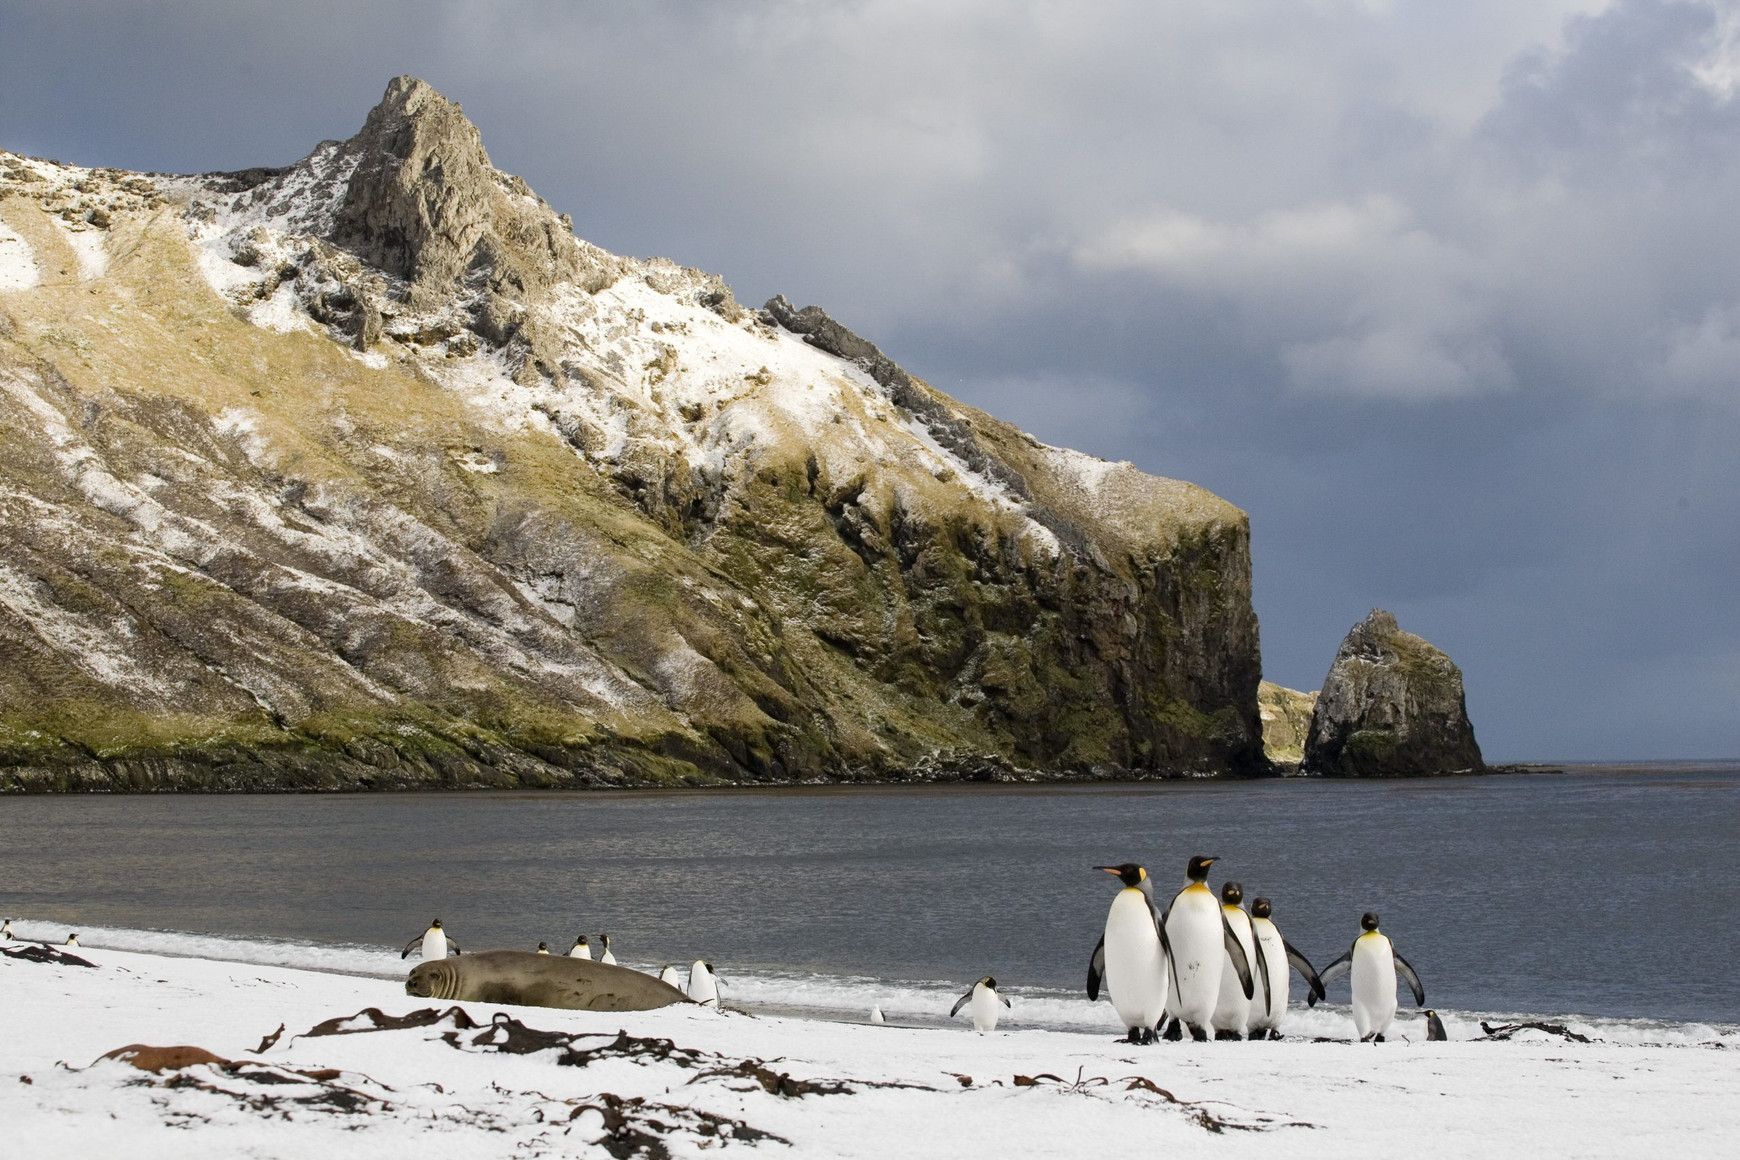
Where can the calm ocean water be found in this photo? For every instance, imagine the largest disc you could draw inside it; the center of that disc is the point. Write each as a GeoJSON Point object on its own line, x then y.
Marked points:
{"type": "Point", "coordinates": [1602, 892]}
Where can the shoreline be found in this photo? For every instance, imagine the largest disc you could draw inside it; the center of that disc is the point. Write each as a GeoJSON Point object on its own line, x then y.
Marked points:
{"type": "Point", "coordinates": [824, 1087]}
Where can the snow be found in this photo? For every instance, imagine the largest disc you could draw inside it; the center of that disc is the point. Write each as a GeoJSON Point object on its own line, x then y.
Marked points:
{"type": "Point", "coordinates": [873, 1090]}
{"type": "Point", "coordinates": [89, 245]}
{"type": "Point", "coordinates": [18, 267]}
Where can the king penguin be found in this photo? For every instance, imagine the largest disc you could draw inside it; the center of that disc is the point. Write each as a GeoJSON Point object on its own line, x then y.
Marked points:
{"type": "Point", "coordinates": [543, 948]}
{"type": "Point", "coordinates": [6, 931]}
{"type": "Point", "coordinates": [435, 943]}
{"type": "Point", "coordinates": [1277, 954]}
{"type": "Point", "coordinates": [876, 1015]}
{"type": "Point", "coordinates": [1202, 945]}
{"type": "Point", "coordinates": [982, 998]}
{"type": "Point", "coordinates": [1131, 958]}
{"type": "Point", "coordinates": [606, 956]}
{"type": "Point", "coordinates": [1435, 1028]}
{"type": "Point", "coordinates": [581, 949]}
{"type": "Point", "coordinates": [1374, 964]}
{"type": "Point", "coordinates": [1233, 1007]}
{"type": "Point", "coordinates": [669, 975]}
{"type": "Point", "coordinates": [72, 940]}
{"type": "Point", "coordinates": [703, 984]}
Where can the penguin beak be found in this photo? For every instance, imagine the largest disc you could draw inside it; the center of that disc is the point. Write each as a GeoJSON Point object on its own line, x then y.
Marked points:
{"type": "Point", "coordinates": [1109, 869]}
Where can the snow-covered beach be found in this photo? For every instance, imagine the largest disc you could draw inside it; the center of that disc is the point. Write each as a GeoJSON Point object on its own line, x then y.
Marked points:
{"type": "Point", "coordinates": [499, 1081]}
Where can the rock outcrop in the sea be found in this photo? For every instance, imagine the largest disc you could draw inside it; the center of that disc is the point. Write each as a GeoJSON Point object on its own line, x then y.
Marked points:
{"type": "Point", "coordinates": [1286, 717]}
{"type": "Point", "coordinates": [1391, 706]}
{"type": "Point", "coordinates": [366, 472]}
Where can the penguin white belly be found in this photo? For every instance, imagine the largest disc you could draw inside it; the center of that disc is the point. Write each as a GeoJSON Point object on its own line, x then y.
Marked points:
{"type": "Point", "coordinates": [607, 957]}
{"type": "Point", "coordinates": [1270, 1008]}
{"type": "Point", "coordinates": [580, 951]}
{"type": "Point", "coordinates": [1136, 972]}
{"type": "Point", "coordinates": [434, 944]}
{"type": "Point", "coordinates": [702, 988]}
{"type": "Point", "coordinates": [1374, 984]}
{"type": "Point", "coordinates": [984, 1008]}
{"type": "Point", "coordinates": [1232, 1011]}
{"type": "Point", "coordinates": [1198, 950]}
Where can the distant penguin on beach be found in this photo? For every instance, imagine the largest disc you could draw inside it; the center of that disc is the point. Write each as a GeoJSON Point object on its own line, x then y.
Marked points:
{"type": "Point", "coordinates": [1278, 956]}
{"type": "Point", "coordinates": [983, 998]}
{"type": "Point", "coordinates": [72, 940]}
{"type": "Point", "coordinates": [543, 948]}
{"type": "Point", "coordinates": [581, 948]}
{"type": "Point", "coordinates": [1203, 947]}
{"type": "Point", "coordinates": [6, 931]}
{"type": "Point", "coordinates": [1132, 956]}
{"type": "Point", "coordinates": [703, 984]}
{"type": "Point", "coordinates": [669, 975]}
{"type": "Point", "coordinates": [606, 956]}
{"type": "Point", "coordinates": [1233, 1007]}
{"type": "Point", "coordinates": [1435, 1028]}
{"type": "Point", "coordinates": [1374, 964]}
{"type": "Point", "coordinates": [436, 944]}
{"type": "Point", "coordinates": [876, 1015]}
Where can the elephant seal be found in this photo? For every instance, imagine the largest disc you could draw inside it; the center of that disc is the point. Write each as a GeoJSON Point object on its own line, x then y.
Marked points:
{"type": "Point", "coordinates": [533, 980]}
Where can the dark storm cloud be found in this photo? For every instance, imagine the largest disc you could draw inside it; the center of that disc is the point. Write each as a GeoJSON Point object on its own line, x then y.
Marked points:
{"type": "Point", "coordinates": [1444, 295]}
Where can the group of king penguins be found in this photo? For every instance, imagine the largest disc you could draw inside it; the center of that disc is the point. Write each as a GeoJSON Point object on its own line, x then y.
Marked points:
{"type": "Point", "coordinates": [702, 986]}
{"type": "Point", "coordinates": [1208, 965]}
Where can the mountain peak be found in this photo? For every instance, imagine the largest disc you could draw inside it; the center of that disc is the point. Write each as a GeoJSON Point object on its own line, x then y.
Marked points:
{"type": "Point", "coordinates": [424, 203]}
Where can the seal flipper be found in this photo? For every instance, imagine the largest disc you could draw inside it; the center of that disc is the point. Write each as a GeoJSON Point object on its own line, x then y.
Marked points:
{"type": "Point", "coordinates": [1406, 970]}
{"type": "Point", "coordinates": [1331, 973]}
{"type": "Point", "coordinates": [1306, 971]}
{"type": "Point", "coordinates": [962, 1001]}
{"type": "Point", "coordinates": [1236, 953]}
{"type": "Point", "coordinates": [1096, 969]}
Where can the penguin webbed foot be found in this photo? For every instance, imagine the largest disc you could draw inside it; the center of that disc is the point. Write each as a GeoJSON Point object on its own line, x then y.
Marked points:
{"type": "Point", "coordinates": [1174, 1032]}
{"type": "Point", "coordinates": [1222, 1034]}
{"type": "Point", "coordinates": [1198, 1034]}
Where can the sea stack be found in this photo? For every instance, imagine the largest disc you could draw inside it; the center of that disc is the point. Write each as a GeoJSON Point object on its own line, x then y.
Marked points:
{"type": "Point", "coordinates": [1286, 717]}
{"type": "Point", "coordinates": [1391, 706]}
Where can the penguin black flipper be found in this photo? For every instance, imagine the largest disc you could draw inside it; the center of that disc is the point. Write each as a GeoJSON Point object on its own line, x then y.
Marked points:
{"type": "Point", "coordinates": [962, 1002]}
{"type": "Point", "coordinates": [1406, 970]}
{"type": "Point", "coordinates": [1306, 971]}
{"type": "Point", "coordinates": [1236, 953]}
{"type": "Point", "coordinates": [452, 947]}
{"type": "Point", "coordinates": [1004, 999]}
{"type": "Point", "coordinates": [1331, 973]}
{"type": "Point", "coordinates": [411, 946]}
{"type": "Point", "coordinates": [1096, 969]}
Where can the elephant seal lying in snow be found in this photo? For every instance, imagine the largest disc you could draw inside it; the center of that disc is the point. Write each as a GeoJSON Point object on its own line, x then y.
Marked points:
{"type": "Point", "coordinates": [534, 980]}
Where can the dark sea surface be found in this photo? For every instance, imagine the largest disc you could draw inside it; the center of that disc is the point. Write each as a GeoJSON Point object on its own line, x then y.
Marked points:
{"type": "Point", "coordinates": [1600, 891]}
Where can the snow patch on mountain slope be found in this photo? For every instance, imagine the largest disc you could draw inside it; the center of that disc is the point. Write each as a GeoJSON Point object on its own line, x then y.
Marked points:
{"type": "Point", "coordinates": [19, 269]}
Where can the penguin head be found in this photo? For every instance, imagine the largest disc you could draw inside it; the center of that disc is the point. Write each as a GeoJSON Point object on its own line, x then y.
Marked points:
{"type": "Point", "coordinates": [1197, 870]}
{"type": "Point", "coordinates": [1368, 920]}
{"type": "Point", "coordinates": [543, 947]}
{"type": "Point", "coordinates": [580, 940]}
{"type": "Point", "coordinates": [606, 939]}
{"type": "Point", "coordinates": [988, 983]}
{"type": "Point", "coordinates": [1128, 873]}
{"type": "Point", "coordinates": [436, 925]}
{"type": "Point", "coordinates": [1232, 893]}
{"type": "Point", "coordinates": [1260, 908]}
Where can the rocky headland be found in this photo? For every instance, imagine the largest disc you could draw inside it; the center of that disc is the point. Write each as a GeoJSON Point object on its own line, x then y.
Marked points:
{"type": "Point", "coordinates": [367, 472]}
{"type": "Point", "coordinates": [1391, 706]}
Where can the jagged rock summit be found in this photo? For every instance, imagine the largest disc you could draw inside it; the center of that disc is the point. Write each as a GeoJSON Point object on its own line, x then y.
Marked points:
{"type": "Point", "coordinates": [1391, 706]}
{"type": "Point", "coordinates": [366, 471]}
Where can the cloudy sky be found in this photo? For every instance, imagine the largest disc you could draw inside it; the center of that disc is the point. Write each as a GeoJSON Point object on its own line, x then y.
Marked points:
{"type": "Point", "coordinates": [1447, 296]}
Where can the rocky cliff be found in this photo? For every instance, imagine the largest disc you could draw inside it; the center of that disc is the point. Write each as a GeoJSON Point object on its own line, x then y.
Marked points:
{"type": "Point", "coordinates": [1286, 717]}
{"type": "Point", "coordinates": [1391, 706]}
{"type": "Point", "coordinates": [368, 472]}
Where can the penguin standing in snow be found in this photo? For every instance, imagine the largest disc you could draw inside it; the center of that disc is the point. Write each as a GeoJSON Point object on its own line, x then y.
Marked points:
{"type": "Point", "coordinates": [1374, 964]}
{"type": "Point", "coordinates": [72, 940]}
{"type": "Point", "coordinates": [606, 956]}
{"type": "Point", "coordinates": [876, 1015]}
{"type": "Point", "coordinates": [581, 949]}
{"type": "Point", "coordinates": [435, 942]}
{"type": "Point", "coordinates": [1435, 1029]}
{"type": "Point", "coordinates": [1278, 955]}
{"type": "Point", "coordinates": [1232, 1010]}
{"type": "Point", "coordinates": [1131, 958]}
{"type": "Point", "coordinates": [1203, 946]}
{"type": "Point", "coordinates": [6, 931]}
{"type": "Point", "coordinates": [704, 984]}
{"type": "Point", "coordinates": [982, 998]}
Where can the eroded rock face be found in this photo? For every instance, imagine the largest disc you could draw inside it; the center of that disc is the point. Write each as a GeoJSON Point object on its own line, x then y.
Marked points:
{"type": "Point", "coordinates": [1391, 706]}
{"type": "Point", "coordinates": [366, 472]}
{"type": "Point", "coordinates": [1286, 716]}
